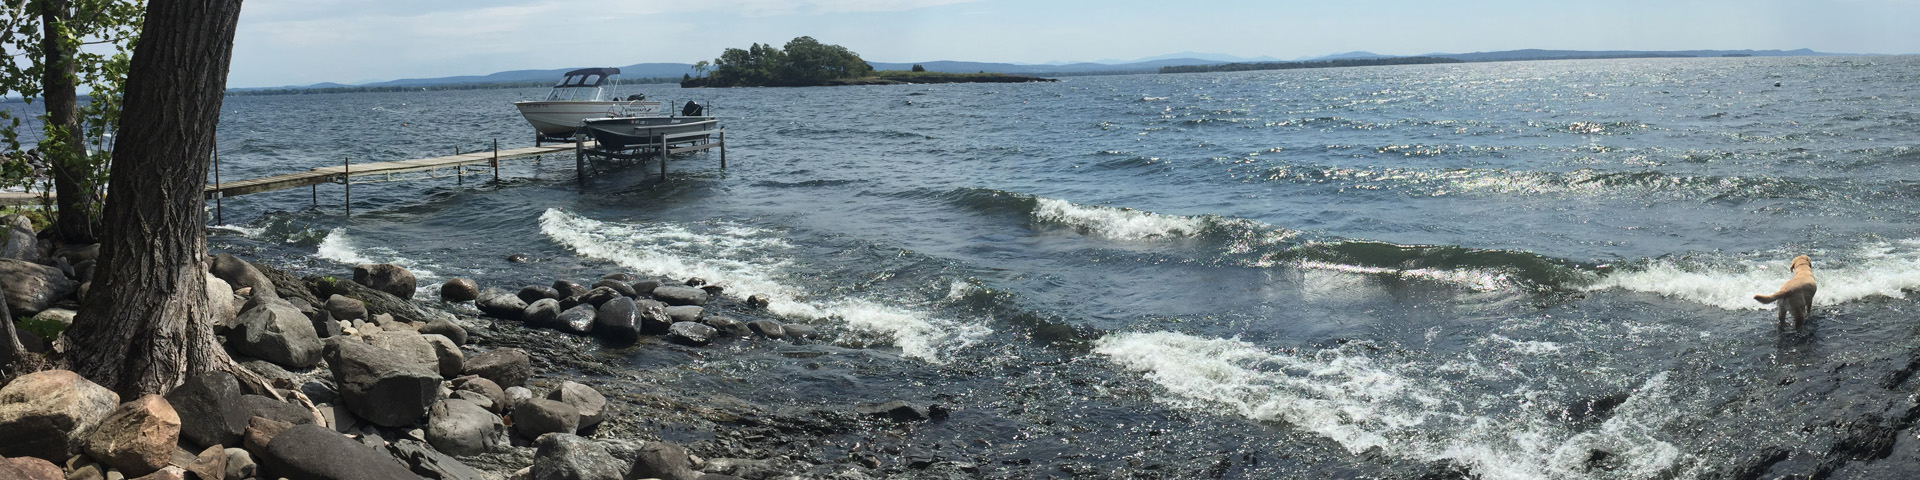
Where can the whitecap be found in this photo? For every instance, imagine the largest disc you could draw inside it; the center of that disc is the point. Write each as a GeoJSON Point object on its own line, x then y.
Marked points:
{"type": "Point", "coordinates": [1115, 223]}
{"type": "Point", "coordinates": [1881, 268]}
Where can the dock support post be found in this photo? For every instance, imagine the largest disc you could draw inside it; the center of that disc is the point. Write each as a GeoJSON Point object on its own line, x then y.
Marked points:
{"type": "Point", "coordinates": [346, 177]}
{"type": "Point", "coordinates": [496, 158]}
{"type": "Point", "coordinates": [723, 149]}
{"type": "Point", "coordinates": [663, 157]}
{"type": "Point", "coordinates": [580, 157]}
{"type": "Point", "coordinates": [219, 196]}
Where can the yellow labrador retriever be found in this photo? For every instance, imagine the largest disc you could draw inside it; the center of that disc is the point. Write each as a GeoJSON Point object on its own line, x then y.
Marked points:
{"type": "Point", "coordinates": [1796, 296]}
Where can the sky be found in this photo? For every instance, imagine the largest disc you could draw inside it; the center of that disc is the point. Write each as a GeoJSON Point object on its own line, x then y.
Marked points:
{"type": "Point", "coordinates": [302, 42]}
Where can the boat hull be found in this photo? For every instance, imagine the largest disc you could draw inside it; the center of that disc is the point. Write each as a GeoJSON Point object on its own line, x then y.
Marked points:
{"type": "Point", "coordinates": [626, 133]}
{"type": "Point", "coordinates": [562, 119]}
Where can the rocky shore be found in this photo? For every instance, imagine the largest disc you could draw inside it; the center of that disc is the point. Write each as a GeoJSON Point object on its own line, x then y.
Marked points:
{"type": "Point", "coordinates": [368, 383]}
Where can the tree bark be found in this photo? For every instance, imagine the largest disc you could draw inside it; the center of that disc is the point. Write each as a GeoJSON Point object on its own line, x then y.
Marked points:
{"type": "Point", "coordinates": [77, 207]}
{"type": "Point", "coordinates": [145, 325]}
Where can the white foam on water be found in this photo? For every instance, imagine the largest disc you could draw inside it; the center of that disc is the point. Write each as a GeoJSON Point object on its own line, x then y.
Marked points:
{"type": "Point", "coordinates": [249, 232]}
{"type": "Point", "coordinates": [1363, 403]}
{"type": "Point", "coordinates": [1476, 280]}
{"type": "Point", "coordinates": [340, 247]}
{"type": "Point", "coordinates": [1115, 223]}
{"type": "Point", "coordinates": [1881, 268]}
{"type": "Point", "coordinates": [749, 261]}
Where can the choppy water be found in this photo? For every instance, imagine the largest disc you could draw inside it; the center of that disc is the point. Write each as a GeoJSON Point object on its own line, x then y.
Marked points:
{"type": "Point", "coordinates": [1300, 273]}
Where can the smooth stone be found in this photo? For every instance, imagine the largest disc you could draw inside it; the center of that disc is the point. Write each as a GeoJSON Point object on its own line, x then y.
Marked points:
{"type": "Point", "coordinates": [240, 464]}
{"type": "Point", "coordinates": [617, 321]}
{"type": "Point", "coordinates": [380, 386]}
{"type": "Point", "coordinates": [797, 330]}
{"type": "Point", "coordinates": [518, 395]}
{"type": "Point", "coordinates": [137, 437]}
{"type": "Point", "coordinates": [618, 276]}
{"type": "Point", "coordinates": [241, 274]}
{"type": "Point", "coordinates": [569, 289]}
{"type": "Point", "coordinates": [447, 328]}
{"type": "Point", "coordinates": [32, 287]}
{"type": "Point", "coordinates": [278, 333]}
{"type": "Point", "coordinates": [664, 461]}
{"type": "Point", "coordinates": [343, 308]}
{"type": "Point", "coordinates": [653, 316]}
{"type": "Point", "coordinates": [645, 287]}
{"type": "Point", "coordinates": [459, 427]}
{"type": "Point", "coordinates": [476, 398]}
{"type": "Point", "coordinates": [599, 296]}
{"type": "Point", "coordinates": [386, 277]}
{"type": "Point", "coordinates": [501, 304]}
{"type": "Point", "coordinates": [726, 326]}
{"type": "Point", "coordinates": [38, 412]}
{"type": "Point", "coordinates": [589, 402]}
{"type": "Point", "coordinates": [758, 301]}
{"type": "Point", "coordinates": [459, 290]}
{"type": "Point", "coordinates": [561, 456]}
{"type": "Point", "coordinates": [767, 328]}
{"type": "Point", "coordinates": [577, 320]}
{"type": "Point", "coordinates": [209, 408]}
{"type": "Point", "coordinates": [685, 313]}
{"type": "Point", "coordinates": [427, 463]}
{"type": "Point", "coordinates": [544, 312]}
{"type": "Point", "coordinates": [266, 407]}
{"type": "Point", "coordinates": [260, 433]}
{"type": "Point", "coordinates": [496, 396]}
{"type": "Point", "coordinates": [222, 307]}
{"type": "Point", "coordinates": [533, 293]}
{"type": "Point", "coordinates": [680, 295]}
{"type": "Point", "coordinates": [691, 333]}
{"type": "Point", "coordinates": [619, 286]}
{"type": "Point", "coordinates": [308, 452]}
{"type": "Point", "coordinates": [508, 367]}
{"type": "Point", "coordinates": [539, 416]}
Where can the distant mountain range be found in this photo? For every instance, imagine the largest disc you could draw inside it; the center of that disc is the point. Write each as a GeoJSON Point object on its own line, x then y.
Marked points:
{"type": "Point", "coordinates": [1145, 65]}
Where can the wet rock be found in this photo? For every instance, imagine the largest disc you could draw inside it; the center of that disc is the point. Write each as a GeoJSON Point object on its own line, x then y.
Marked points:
{"type": "Point", "coordinates": [240, 464]}
{"type": "Point", "coordinates": [459, 290]}
{"type": "Point", "coordinates": [680, 295]}
{"type": "Point", "coordinates": [266, 407]}
{"type": "Point", "coordinates": [726, 326]}
{"type": "Point", "coordinates": [662, 460]}
{"type": "Point", "coordinates": [645, 287]}
{"type": "Point", "coordinates": [767, 328]}
{"type": "Point", "coordinates": [712, 290]}
{"type": "Point", "coordinates": [653, 316]}
{"type": "Point", "coordinates": [211, 463]}
{"type": "Point", "coordinates": [691, 334]}
{"type": "Point", "coordinates": [32, 287]}
{"type": "Point", "coordinates": [695, 282]}
{"type": "Point", "coordinates": [569, 289]}
{"type": "Point", "coordinates": [541, 313]}
{"type": "Point", "coordinates": [897, 411]}
{"type": "Point", "coordinates": [533, 293]}
{"type": "Point", "coordinates": [427, 463]}
{"type": "Point", "coordinates": [260, 433]}
{"type": "Point", "coordinates": [599, 296]}
{"type": "Point", "coordinates": [39, 410]}
{"type": "Point", "coordinates": [519, 258]}
{"type": "Point", "coordinates": [378, 302]}
{"type": "Point", "coordinates": [591, 405]}
{"type": "Point", "coordinates": [507, 367]}
{"type": "Point", "coordinates": [538, 416]}
{"type": "Point", "coordinates": [577, 320]}
{"type": "Point", "coordinates": [617, 321]}
{"type": "Point", "coordinates": [209, 408]}
{"type": "Point", "coordinates": [560, 456]}
{"type": "Point", "coordinates": [687, 313]}
{"type": "Point", "coordinates": [307, 452]}
{"type": "Point", "coordinates": [29, 468]}
{"type": "Point", "coordinates": [459, 427]}
{"type": "Point", "coordinates": [447, 328]}
{"type": "Point", "coordinates": [386, 277]}
{"type": "Point", "coordinates": [380, 386]}
{"type": "Point", "coordinates": [278, 333]}
{"type": "Point", "coordinates": [496, 396]}
{"type": "Point", "coordinates": [241, 274]}
{"type": "Point", "coordinates": [343, 308]}
{"type": "Point", "coordinates": [797, 330]}
{"type": "Point", "coordinates": [137, 437]}
{"type": "Point", "coordinates": [499, 303]}
{"type": "Point", "coordinates": [619, 286]}
{"type": "Point", "coordinates": [758, 301]}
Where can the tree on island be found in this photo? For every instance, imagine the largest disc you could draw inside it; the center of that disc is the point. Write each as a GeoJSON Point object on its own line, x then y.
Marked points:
{"type": "Point", "coordinates": [145, 325]}
{"type": "Point", "coordinates": [51, 67]}
{"type": "Point", "coordinates": [804, 61]}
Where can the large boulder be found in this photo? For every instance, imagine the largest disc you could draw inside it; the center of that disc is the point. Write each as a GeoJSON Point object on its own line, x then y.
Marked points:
{"type": "Point", "coordinates": [433, 352]}
{"type": "Point", "coordinates": [310, 452]}
{"type": "Point", "coordinates": [267, 407]}
{"type": "Point", "coordinates": [589, 402]}
{"type": "Point", "coordinates": [577, 320]}
{"type": "Point", "coordinates": [459, 290]}
{"type": "Point", "coordinates": [32, 287]}
{"type": "Point", "coordinates": [241, 274]}
{"type": "Point", "coordinates": [17, 240]}
{"type": "Point", "coordinates": [137, 437]}
{"type": "Point", "coordinates": [496, 396]}
{"type": "Point", "coordinates": [459, 427]}
{"type": "Point", "coordinates": [561, 456]}
{"type": "Point", "coordinates": [653, 316]}
{"type": "Point", "coordinates": [378, 302]}
{"type": "Point", "coordinates": [536, 417]}
{"type": "Point", "coordinates": [278, 333]}
{"type": "Point", "coordinates": [617, 321]}
{"type": "Point", "coordinates": [210, 409]}
{"type": "Point", "coordinates": [680, 295]}
{"type": "Point", "coordinates": [447, 328]}
{"type": "Point", "coordinates": [220, 302]}
{"type": "Point", "coordinates": [288, 286]}
{"type": "Point", "coordinates": [380, 386]}
{"type": "Point", "coordinates": [544, 312]}
{"type": "Point", "coordinates": [664, 461]}
{"type": "Point", "coordinates": [507, 367]}
{"type": "Point", "coordinates": [499, 303]}
{"type": "Point", "coordinates": [430, 464]}
{"type": "Point", "coordinates": [38, 412]}
{"type": "Point", "coordinates": [386, 277]}
{"type": "Point", "coordinates": [340, 307]}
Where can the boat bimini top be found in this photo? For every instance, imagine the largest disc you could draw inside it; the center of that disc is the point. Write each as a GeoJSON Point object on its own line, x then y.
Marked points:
{"type": "Point", "coordinates": [583, 84]}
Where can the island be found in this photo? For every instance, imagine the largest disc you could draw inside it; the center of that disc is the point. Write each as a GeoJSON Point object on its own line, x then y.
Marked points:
{"type": "Point", "coordinates": [805, 62]}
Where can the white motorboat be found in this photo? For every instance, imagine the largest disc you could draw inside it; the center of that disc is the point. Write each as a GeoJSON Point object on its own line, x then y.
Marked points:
{"type": "Point", "coordinates": [582, 94]}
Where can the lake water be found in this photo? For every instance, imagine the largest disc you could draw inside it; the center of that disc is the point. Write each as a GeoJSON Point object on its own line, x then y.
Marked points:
{"type": "Point", "coordinates": [1522, 270]}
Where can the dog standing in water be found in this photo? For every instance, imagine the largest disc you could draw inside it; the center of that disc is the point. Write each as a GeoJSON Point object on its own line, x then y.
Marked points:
{"type": "Point", "coordinates": [1796, 296]}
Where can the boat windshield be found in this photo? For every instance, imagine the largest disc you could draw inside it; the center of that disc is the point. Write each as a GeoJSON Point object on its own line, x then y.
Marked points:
{"type": "Point", "coordinates": [583, 87]}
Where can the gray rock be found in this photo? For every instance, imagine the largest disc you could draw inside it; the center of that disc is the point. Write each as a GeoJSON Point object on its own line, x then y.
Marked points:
{"type": "Point", "coordinates": [533, 293]}
{"type": "Point", "coordinates": [618, 286]}
{"type": "Point", "coordinates": [577, 320]}
{"type": "Point", "coordinates": [324, 325]}
{"type": "Point", "coordinates": [459, 290]}
{"type": "Point", "coordinates": [450, 358]}
{"type": "Point", "coordinates": [591, 405]}
{"type": "Point", "coordinates": [221, 304]}
{"type": "Point", "coordinates": [445, 327]}
{"type": "Point", "coordinates": [664, 461]}
{"type": "Point", "coordinates": [427, 463]}
{"type": "Point", "coordinates": [266, 407]}
{"type": "Point", "coordinates": [653, 316]}
{"type": "Point", "coordinates": [618, 276]}
{"type": "Point", "coordinates": [726, 326]}
{"type": "Point", "coordinates": [685, 313]}
{"type": "Point", "coordinates": [241, 274]}
{"type": "Point", "coordinates": [680, 295]}
{"type": "Point", "coordinates": [539, 416]}
{"type": "Point", "coordinates": [343, 308]}
{"type": "Point", "coordinates": [617, 321]}
{"type": "Point", "coordinates": [544, 312]}
{"type": "Point", "coordinates": [797, 330]}
{"type": "Point", "coordinates": [309, 452]}
{"type": "Point", "coordinates": [767, 328]}
{"type": "Point", "coordinates": [78, 254]}
{"type": "Point", "coordinates": [499, 303]}
{"type": "Point", "coordinates": [378, 302]}
{"type": "Point", "coordinates": [459, 427]}
{"type": "Point", "coordinates": [386, 277]}
{"type": "Point", "coordinates": [240, 464]}
{"type": "Point", "coordinates": [32, 287]}
{"type": "Point", "coordinates": [476, 398]}
{"type": "Point", "coordinates": [278, 333]}
{"type": "Point", "coordinates": [599, 296]}
{"type": "Point", "coordinates": [645, 287]}
{"type": "Point", "coordinates": [20, 241]}
{"type": "Point", "coordinates": [758, 301]}
{"type": "Point", "coordinates": [508, 367]}
{"type": "Point", "coordinates": [40, 410]}
{"type": "Point", "coordinates": [210, 409]}
{"type": "Point", "coordinates": [560, 456]}
{"type": "Point", "coordinates": [691, 333]}
{"type": "Point", "coordinates": [496, 396]}
{"type": "Point", "coordinates": [517, 396]}
{"type": "Point", "coordinates": [895, 410]}
{"type": "Point", "coordinates": [380, 386]}
{"type": "Point", "coordinates": [433, 352]}
{"type": "Point", "coordinates": [569, 289]}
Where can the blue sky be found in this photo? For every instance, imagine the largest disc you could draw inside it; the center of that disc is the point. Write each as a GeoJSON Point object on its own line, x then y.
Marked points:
{"type": "Point", "coordinates": [299, 42]}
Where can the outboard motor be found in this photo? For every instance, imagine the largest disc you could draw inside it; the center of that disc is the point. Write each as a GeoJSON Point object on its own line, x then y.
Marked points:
{"type": "Point", "coordinates": [692, 109]}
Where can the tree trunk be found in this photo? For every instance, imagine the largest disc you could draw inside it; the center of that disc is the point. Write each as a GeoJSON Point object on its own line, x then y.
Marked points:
{"type": "Point", "coordinates": [71, 173]}
{"type": "Point", "coordinates": [145, 325]}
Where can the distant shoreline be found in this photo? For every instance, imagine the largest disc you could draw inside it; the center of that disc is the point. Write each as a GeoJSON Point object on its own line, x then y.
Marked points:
{"type": "Point", "coordinates": [891, 77]}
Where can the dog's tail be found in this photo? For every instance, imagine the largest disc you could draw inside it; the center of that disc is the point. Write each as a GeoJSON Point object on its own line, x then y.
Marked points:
{"type": "Point", "coordinates": [1766, 298]}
